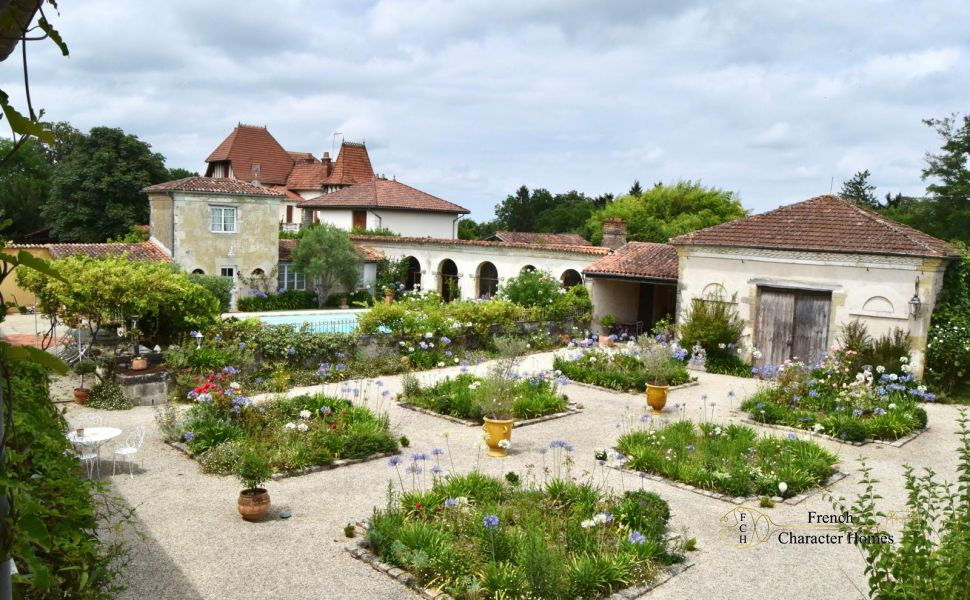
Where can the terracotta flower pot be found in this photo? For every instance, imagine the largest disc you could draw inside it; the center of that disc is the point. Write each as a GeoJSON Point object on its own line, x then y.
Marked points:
{"type": "Point", "coordinates": [605, 340]}
{"type": "Point", "coordinates": [497, 430]}
{"type": "Point", "coordinates": [253, 504]}
{"type": "Point", "coordinates": [81, 395]}
{"type": "Point", "coordinates": [657, 397]}
{"type": "Point", "coordinates": [388, 297]}
{"type": "Point", "coordinates": [139, 363]}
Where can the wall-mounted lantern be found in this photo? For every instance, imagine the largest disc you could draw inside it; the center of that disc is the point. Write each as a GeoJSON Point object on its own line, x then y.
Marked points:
{"type": "Point", "coordinates": [915, 304]}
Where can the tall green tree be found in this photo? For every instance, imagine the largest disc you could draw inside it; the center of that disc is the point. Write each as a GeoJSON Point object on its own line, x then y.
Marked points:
{"type": "Point", "coordinates": [541, 211]}
{"type": "Point", "coordinates": [949, 176]}
{"type": "Point", "coordinates": [635, 189]}
{"type": "Point", "coordinates": [859, 190]}
{"type": "Point", "coordinates": [66, 137]}
{"type": "Point", "coordinates": [665, 211]}
{"type": "Point", "coordinates": [96, 187]}
{"type": "Point", "coordinates": [327, 256]}
{"type": "Point", "coordinates": [179, 173]}
{"type": "Point", "coordinates": [24, 187]}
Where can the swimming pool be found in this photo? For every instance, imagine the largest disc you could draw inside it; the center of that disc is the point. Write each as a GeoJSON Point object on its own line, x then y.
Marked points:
{"type": "Point", "coordinates": [318, 321]}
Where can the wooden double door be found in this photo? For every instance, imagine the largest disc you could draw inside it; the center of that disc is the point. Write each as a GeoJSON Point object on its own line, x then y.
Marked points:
{"type": "Point", "coordinates": [791, 324]}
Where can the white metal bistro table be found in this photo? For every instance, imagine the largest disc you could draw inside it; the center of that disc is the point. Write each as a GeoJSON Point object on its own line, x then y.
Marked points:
{"type": "Point", "coordinates": [94, 438]}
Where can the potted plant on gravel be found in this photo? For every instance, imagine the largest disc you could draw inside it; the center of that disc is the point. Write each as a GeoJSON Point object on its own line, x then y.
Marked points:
{"type": "Point", "coordinates": [253, 469]}
{"type": "Point", "coordinates": [82, 368]}
{"type": "Point", "coordinates": [607, 321]}
{"type": "Point", "coordinates": [661, 368]}
{"type": "Point", "coordinates": [499, 394]}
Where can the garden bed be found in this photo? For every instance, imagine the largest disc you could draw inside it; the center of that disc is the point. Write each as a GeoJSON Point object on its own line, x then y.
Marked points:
{"type": "Point", "coordinates": [463, 399]}
{"type": "Point", "coordinates": [620, 370]}
{"type": "Point", "coordinates": [727, 462]}
{"type": "Point", "coordinates": [846, 406]}
{"type": "Point", "coordinates": [897, 443]}
{"type": "Point", "coordinates": [474, 533]}
{"type": "Point", "coordinates": [300, 434]}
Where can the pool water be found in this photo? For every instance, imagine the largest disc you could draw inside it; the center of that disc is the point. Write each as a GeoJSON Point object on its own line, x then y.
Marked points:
{"type": "Point", "coordinates": [343, 321]}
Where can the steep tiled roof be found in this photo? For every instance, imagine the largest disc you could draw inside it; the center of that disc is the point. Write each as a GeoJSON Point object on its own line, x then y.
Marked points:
{"type": "Point", "coordinates": [646, 260]}
{"type": "Point", "coordinates": [307, 176]}
{"type": "Point", "coordinates": [823, 224]}
{"type": "Point", "coordinates": [352, 165]}
{"type": "Point", "coordinates": [378, 240]}
{"type": "Point", "coordinates": [287, 246]}
{"type": "Point", "coordinates": [559, 239]}
{"type": "Point", "coordinates": [247, 145]}
{"type": "Point", "coordinates": [302, 156]}
{"type": "Point", "coordinates": [213, 185]}
{"type": "Point", "coordinates": [290, 194]}
{"type": "Point", "coordinates": [383, 193]}
{"type": "Point", "coordinates": [139, 251]}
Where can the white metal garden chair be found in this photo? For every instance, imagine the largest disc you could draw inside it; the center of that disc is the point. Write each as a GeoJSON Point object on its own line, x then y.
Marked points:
{"type": "Point", "coordinates": [129, 449]}
{"type": "Point", "coordinates": [90, 458]}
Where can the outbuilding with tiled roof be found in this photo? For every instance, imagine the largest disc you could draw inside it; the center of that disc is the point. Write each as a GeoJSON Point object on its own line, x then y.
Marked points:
{"type": "Point", "coordinates": [531, 237]}
{"type": "Point", "coordinates": [798, 274]}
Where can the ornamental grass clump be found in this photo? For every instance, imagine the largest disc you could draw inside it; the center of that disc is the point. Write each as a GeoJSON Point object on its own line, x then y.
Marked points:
{"type": "Point", "coordinates": [478, 536]}
{"type": "Point", "coordinates": [730, 459]}
{"type": "Point", "coordinates": [875, 403]}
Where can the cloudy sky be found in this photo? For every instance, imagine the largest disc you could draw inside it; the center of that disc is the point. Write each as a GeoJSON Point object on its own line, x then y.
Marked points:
{"type": "Point", "coordinates": [469, 100]}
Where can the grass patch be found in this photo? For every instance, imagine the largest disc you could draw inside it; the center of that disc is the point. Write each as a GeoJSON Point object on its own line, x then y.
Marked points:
{"type": "Point", "coordinates": [465, 396]}
{"type": "Point", "coordinates": [729, 459]}
{"type": "Point", "coordinates": [475, 536]}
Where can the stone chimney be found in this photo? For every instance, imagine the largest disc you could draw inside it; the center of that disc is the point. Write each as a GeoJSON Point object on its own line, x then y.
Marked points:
{"type": "Point", "coordinates": [614, 233]}
{"type": "Point", "coordinates": [327, 165]}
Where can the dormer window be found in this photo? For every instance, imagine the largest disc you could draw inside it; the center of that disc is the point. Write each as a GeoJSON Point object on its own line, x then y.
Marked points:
{"type": "Point", "coordinates": [223, 219]}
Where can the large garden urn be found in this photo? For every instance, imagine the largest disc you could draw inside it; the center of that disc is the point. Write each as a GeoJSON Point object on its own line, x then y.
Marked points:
{"type": "Point", "coordinates": [498, 431]}
{"type": "Point", "coordinates": [139, 363]}
{"type": "Point", "coordinates": [657, 397]}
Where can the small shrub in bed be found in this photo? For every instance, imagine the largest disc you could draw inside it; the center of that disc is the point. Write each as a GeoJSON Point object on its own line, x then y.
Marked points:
{"type": "Point", "coordinates": [624, 369]}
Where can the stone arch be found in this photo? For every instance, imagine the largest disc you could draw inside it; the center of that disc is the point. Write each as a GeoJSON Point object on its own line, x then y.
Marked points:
{"type": "Point", "coordinates": [448, 280]}
{"type": "Point", "coordinates": [412, 280]}
{"type": "Point", "coordinates": [570, 278]}
{"type": "Point", "coordinates": [714, 291]}
{"type": "Point", "coordinates": [257, 272]}
{"type": "Point", "coordinates": [527, 268]}
{"type": "Point", "coordinates": [487, 275]}
{"type": "Point", "coordinates": [879, 304]}
{"type": "Point", "coordinates": [198, 272]}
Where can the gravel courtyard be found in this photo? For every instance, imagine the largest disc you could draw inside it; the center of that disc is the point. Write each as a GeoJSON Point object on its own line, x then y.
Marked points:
{"type": "Point", "coordinates": [195, 545]}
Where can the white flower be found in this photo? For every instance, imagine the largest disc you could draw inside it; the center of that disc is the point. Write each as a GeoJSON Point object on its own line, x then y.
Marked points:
{"type": "Point", "coordinates": [818, 427]}
{"type": "Point", "coordinates": [893, 377]}
{"type": "Point", "coordinates": [302, 426]}
{"type": "Point", "coordinates": [892, 406]}
{"type": "Point", "coordinates": [401, 343]}
{"type": "Point", "coordinates": [756, 353]}
{"type": "Point", "coordinates": [905, 359]}
{"type": "Point", "coordinates": [599, 518]}
{"type": "Point", "coordinates": [504, 444]}
{"type": "Point", "coordinates": [586, 524]}
{"type": "Point", "coordinates": [722, 345]}
{"type": "Point", "coordinates": [290, 425]}
{"type": "Point", "coordinates": [428, 335]}
{"type": "Point", "coordinates": [782, 487]}
{"type": "Point", "coordinates": [305, 414]}
{"type": "Point", "coordinates": [880, 369]}
{"type": "Point", "coordinates": [234, 385]}
{"type": "Point", "coordinates": [717, 431]}
{"type": "Point", "coordinates": [592, 359]}
{"type": "Point", "coordinates": [441, 364]}
{"type": "Point", "coordinates": [904, 368]}
{"type": "Point", "coordinates": [860, 376]}
{"type": "Point", "coordinates": [528, 345]}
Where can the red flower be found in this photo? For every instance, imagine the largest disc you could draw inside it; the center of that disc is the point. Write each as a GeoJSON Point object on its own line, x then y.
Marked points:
{"type": "Point", "coordinates": [418, 505]}
{"type": "Point", "coordinates": [333, 426]}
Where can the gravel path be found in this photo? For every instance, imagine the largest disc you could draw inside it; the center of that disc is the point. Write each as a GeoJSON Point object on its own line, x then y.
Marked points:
{"type": "Point", "coordinates": [196, 546]}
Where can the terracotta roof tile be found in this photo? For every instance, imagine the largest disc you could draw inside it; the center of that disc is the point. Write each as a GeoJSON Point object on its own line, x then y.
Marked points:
{"type": "Point", "coordinates": [307, 176]}
{"type": "Point", "coordinates": [290, 194]}
{"type": "Point", "coordinates": [378, 240]}
{"type": "Point", "coordinates": [352, 165]}
{"type": "Point", "coordinates": [383, 193]}
{"type": "Point", "coordinates": [646, 260]}
{"type": "Point", "coordinates": [302, 156]}
{"type": "Point", "coordinates": [287, 246]}
{"type": "Point", "coordinates": [139, 251]}
{"type": "Point", "coordinates": [822, 224]}
{"type": "Point", "coordinates": [559, 239]}
{"type": "Point", "coordinates": [248, 145]}
{"type": "Point", "coordinates": [213, 185]}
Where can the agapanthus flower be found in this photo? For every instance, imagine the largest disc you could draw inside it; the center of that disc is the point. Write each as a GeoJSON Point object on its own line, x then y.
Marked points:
{"type": "Point", "coordinates": [394, 461]}
{"type": "Point", "coordinates": [490, 522]}
{"type": "Point", "coordinates": [636, 537]}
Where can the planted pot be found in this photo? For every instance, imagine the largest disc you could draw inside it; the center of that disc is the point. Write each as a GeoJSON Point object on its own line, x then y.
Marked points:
{"type": "Point", "coordinates": [253, 504]}
{"type": "Point", "coordinates": [657, 397]}
{"type": "Point", "coordinates": [139, 363]}
{"type": "Point", "coordinates": [606, 340]}
{"type": "Point", "coordinates": [81, 395]}
{"type": "Point", "coordinates": [497, 430]}
{"type": "Point", "coordinates": [343, 303]}
{"type": "Point", "coordinates": [388, 297]}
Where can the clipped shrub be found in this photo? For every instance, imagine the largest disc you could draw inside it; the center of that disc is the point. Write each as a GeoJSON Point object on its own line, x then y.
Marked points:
{"type": "Point", "coordinates": [107, 395]}
{"type": "Point", "coordinates": [531, 288]}
{"type": "Point", "coordinates": [288, 300]}
{"type": "Point", "coordinates": [219, 287]}
{"type": "Point", "coordinates": [713, 324]}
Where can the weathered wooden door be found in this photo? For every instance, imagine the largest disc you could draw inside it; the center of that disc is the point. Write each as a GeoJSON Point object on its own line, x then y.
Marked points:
{"type": "Point", "coordinates": [791, 324]}
{"type": "Point", "coordinates": [359, 219]}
